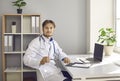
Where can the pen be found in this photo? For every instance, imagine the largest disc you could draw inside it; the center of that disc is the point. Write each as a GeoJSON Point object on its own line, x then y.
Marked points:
{"type": "Point", "coordinates": [82, 61]}
{"type": "Point", "coordinates": [78, 62]}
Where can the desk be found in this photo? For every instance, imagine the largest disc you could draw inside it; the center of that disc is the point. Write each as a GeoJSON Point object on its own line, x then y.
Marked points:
{"type": "Point", "coordinates": [106, 70]}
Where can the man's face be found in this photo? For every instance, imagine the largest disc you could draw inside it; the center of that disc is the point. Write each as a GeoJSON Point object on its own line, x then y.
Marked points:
{"type": "Point", "coordinates": [48, 30]}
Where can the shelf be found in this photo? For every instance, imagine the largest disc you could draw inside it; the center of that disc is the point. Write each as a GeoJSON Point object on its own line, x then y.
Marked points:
{"type": "Point", "coordinates": [13, 60]}
{"type": "Point", "coordinates": [13, 14]}
{"type": "Point", "coordinates": [26, 69]}
{"type": "Point", "coordinates": [12, 33]}
{"type": "Point", "coordinates": [31, 33]}
{"type": "Point", "coordinates": [15, 52]}
{"type": "Point", "coordinates": [13, 76]}
{"type": "Point", "coordinates": [21, 14]}
{"type": "Point", "coordinates": [7, 22]}
{"type": "Point", "coordinates": [27, 39]}
{"type": "Point", "coordinates": [21, 33]}
{"type": "Point", "coordinates": [31, 24]}
{"type": "Point", "coordinates": [29, 76]}
{"type": "Point", "coordinates": [18, 69]}
{"type": "Point", "coordinates": [13, 69]}
{"type": "Point", "coordinates": [14, 45]}
{"type": "Point", "coordinates": [23, 51]}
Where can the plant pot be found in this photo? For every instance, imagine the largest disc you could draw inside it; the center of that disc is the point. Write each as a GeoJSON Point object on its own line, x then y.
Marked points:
{"type": "Point", "coordinates": [19, 11]}
{"type": "Point", "coordinates": [108, 50]}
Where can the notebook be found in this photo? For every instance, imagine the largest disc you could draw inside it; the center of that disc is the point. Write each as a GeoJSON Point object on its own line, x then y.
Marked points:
{"type": "Point", "coordinates": [79, 65]}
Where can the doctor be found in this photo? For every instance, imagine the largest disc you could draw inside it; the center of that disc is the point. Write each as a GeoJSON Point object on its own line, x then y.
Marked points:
{"type": "Point", "coordinates": [41, 50]}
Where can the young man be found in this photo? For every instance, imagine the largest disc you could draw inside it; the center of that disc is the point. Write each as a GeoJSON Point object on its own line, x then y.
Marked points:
{"type": "Point", "coordinates": [42, 49]}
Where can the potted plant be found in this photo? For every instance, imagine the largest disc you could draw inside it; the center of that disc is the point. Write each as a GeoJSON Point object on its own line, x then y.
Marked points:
{"type": "Point", "coordinates": [19, 4]}
{"type": "Point", "coordinates": [107, 36]}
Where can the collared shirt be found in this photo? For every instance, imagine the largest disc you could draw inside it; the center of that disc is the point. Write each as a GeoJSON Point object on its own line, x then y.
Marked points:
{"type": "Point", "coordinates": [39, 48]}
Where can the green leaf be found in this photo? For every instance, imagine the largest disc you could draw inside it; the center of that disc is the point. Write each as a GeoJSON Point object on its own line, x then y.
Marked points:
{"type": "Point", "coordinates": [19, 3]}
{"type": "Point", "coordinates": [107, 36]}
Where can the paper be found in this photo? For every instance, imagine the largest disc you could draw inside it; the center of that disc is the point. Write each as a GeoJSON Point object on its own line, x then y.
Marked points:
{"type": "Point", "coordinates": [81, 65]}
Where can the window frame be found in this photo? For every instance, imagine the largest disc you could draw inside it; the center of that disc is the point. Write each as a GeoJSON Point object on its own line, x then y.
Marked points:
{"type": "Point", "coordinates": [116, 49]}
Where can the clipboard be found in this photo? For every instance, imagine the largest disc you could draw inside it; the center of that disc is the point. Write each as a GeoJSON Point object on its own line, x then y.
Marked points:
{"type": "Point", "coordinates": [79, 65]}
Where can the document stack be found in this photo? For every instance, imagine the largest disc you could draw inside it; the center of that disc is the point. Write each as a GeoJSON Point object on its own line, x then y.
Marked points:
{"type": "Point", "coordinates": [8, 43]}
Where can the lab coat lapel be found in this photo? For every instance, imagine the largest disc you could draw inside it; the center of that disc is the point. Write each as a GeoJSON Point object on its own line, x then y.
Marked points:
{"type": "Point", "coordinates": [51, 50]}
{"type": "Point", "coordinates": [42, 44]}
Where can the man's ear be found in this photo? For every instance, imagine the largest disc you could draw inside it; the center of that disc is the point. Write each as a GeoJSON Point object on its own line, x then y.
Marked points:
{"type": "Point", "coordinates": [42, 29]}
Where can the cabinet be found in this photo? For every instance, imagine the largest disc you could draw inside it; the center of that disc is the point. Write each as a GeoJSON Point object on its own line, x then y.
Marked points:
{"type": "Point", "coordinates": [14, 44]}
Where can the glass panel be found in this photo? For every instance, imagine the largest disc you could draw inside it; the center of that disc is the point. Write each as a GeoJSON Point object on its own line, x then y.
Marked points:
{"type": "Point", "coordinates": [118, 32]}
{"type": "Point", "coordinates": [118, 8]}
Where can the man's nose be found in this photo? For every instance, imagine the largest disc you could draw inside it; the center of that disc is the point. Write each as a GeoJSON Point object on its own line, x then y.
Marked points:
{"type": "Point", "coordinates": [49, 29]}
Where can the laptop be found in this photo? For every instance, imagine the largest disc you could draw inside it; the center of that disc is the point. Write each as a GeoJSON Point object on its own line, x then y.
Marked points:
{"type": "Point", "coordinates": [87, 62]}
{"type": "Point", "coordinates": [98, 54]}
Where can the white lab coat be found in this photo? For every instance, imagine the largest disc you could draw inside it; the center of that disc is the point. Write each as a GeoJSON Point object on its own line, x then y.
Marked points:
{"type": "Point", "coordinates": [40, 47]}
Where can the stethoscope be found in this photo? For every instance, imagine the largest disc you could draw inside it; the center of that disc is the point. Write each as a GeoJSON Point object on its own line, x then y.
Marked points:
{"type": "Point", "coordinates": [51, 40]}
{"type": "Point", "coordinates": [56, 55]}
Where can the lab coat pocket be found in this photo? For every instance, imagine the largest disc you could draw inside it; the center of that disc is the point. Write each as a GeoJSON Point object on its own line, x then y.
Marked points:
{"type": "Point", "coordinates": [51, 73]}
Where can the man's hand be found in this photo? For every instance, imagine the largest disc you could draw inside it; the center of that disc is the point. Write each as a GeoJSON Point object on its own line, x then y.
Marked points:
{"type": "Point", "coordinates": [45, 60]}
{"type": "Point", "coordinates": [66, 60]}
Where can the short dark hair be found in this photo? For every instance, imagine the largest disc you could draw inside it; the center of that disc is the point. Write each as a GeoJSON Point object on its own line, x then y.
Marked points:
{"type": "Point", "coordinates": [48, 21]}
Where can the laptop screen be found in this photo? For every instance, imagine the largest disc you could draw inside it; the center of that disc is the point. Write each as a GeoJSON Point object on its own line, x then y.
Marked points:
{"type": "Point", "coordinates": [98, 52]}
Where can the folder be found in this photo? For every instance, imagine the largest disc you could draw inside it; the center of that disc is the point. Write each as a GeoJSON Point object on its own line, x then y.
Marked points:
{"type": "Point", "coordinates": [37, 24]}
{"type": "Point", "coordinates": [33, 23]}
{"type": "Point", "coordinates": [10, 45]}
{"type": "Point", "coordinates": [6, 43]}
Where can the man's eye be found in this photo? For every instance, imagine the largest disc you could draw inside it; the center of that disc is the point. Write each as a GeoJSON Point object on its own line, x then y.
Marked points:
{"type": "Point", "coordinates": [47, 28]}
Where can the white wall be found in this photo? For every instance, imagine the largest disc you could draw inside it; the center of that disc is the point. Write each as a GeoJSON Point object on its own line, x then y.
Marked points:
{"type": "Point", "coordinates": [99, 14]}
{"type": "Point", "coordinates": [69, 16]}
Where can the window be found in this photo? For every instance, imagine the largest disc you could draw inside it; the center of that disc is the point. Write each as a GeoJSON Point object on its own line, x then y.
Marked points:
{"type": "Point", "coordinates": [117, 24]}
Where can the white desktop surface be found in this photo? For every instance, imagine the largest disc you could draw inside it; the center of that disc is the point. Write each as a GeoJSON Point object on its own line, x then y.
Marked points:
{"type": "Point", "coordinates": [103, 71]}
